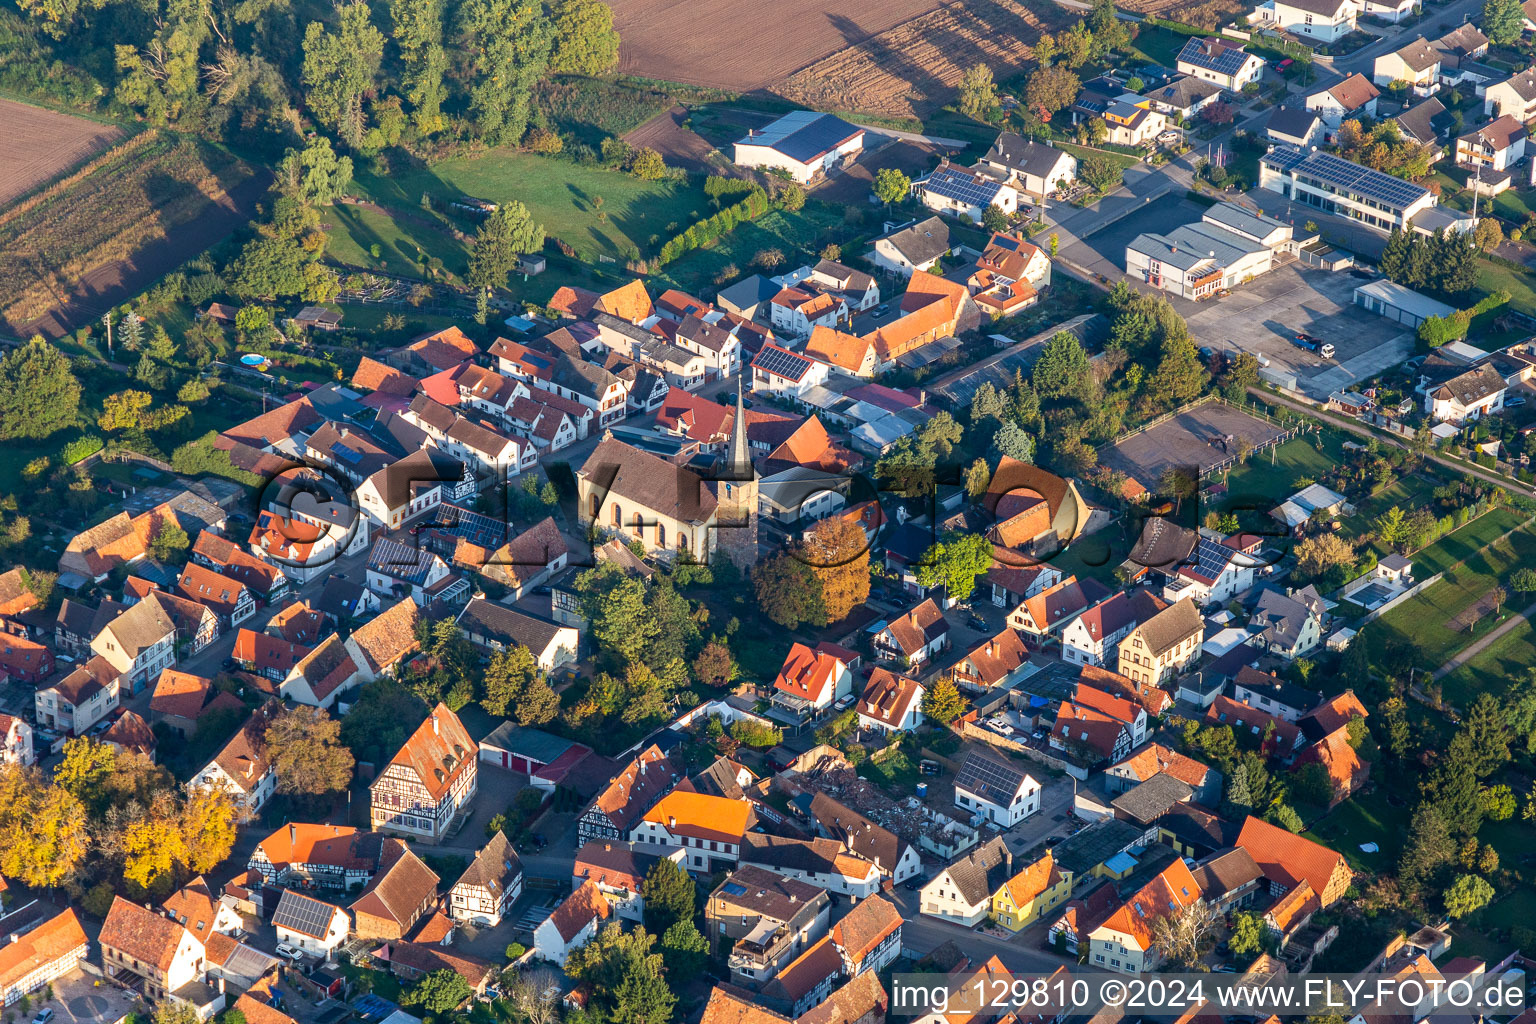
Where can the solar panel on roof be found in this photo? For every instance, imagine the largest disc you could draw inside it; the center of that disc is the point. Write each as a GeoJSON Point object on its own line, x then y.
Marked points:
{"type": "Point", "coordinates": [1363, 181]}
{"type": "Point", "coordinates": [962, 188]}
{"type": "Point", "coordinates": [734, 889]}
{"type": "Point", "coordinates": [781, 362]}
{"type": "Point", "coordinates": [302, 914]}
{"type": "Point", "coordinates": [986, 777]}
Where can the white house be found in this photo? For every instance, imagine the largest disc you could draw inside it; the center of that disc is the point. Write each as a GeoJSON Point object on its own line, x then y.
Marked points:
{"type": "Point", "coordinates": [913, 636]}
{"type": "Point", "coordinates": [1036, 168]}
{"type": "Point", "coordinates": [15, 741]}
{"type": "Point", "coordinates": [1185, 96]}
{"type": "Point", "coordinates": [399, 493]}
{"type": "Point", "coordinates": [1515, 96]}
{"type": "Point", "coordinates": [140, 944]}
{"type": "Point", "coordinates": [489, 886]}
{"type": "Point", "coordinates": [797, 311]}
{"type": "Point", "coordinates": [1498, 145]}
{"type": "Point", "coordinates": [243, 768]}
{"type": "Point", "coordinates": [914, 246]}
{"type": "Point", "coordinates": [1093, 638]}
{"type": "Point", "coordinates": [1320, 20]}
{"type": "Point", "coordinates": [890, 703]}
{"type": "Point", "coordinates": [573, 923]}
{"type": "Point", "coordinates": [1123, 942]}
{"type": "Point", "coordinates": [1220, 61]}
{"type": "Point", "coordinates": [79, 700]}
{"type": "Point", "coordinates": [708, 827]}
{"type": "Point", "coordinates": [1218, 571]}
{"type": "Point", "coordinates": [139, 644]}
{"type": "Point", "coordinates": [495, 627]}
{"type": "Point", "coordinates": [1416, 65]}
{"type": "Point", "coordinates": [397, 569]}
{"type": "Point", "coordinates": [962, 891]}
{"type": "Point", "coordinates": [312, 925]}
{"type": "Point", "coordinates": [998, 791]}
{"type": "Point", "coordinates": [1466, 397]}
{"type": "Point", "coordinates": [802, 142]}
{"type": "Point", "coordinates": [778, 371]}
{"type": "Point", "coordinates": [964, 193]}
{"type": "Point", "coordinates": [35, 958]}
{"type": "Point", "coordinates": [1345, 188]}
{"type": "Point", "coordinates": [1354, 97]}
{"type": "Point", "coordinates": [811, 681]}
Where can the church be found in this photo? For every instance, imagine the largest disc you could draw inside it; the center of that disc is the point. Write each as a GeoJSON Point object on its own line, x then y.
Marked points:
{"type": "Point", "coordinates": [670, 508]}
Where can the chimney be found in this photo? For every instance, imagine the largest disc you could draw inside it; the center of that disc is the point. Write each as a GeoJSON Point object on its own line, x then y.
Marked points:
{"type": "Point", "coordinates": [293, 835]}
{"type": "Point", "coordinates": [671, 821]}
{"type": "Point", "coordinates": [913, 616]}
{"type": "Point", "coordinates": [607, 846]}
{"type": "Point", "coordinates": [434, 724]}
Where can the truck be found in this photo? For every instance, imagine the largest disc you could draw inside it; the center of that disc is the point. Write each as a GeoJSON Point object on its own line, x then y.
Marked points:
{"type": "Point", "coordinates": [1312, 343]}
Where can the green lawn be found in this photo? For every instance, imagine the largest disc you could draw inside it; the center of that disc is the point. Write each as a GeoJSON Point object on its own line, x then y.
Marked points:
{"type": "Point", "coordinates": [561, 194]}
{"type": "Point", "coordinates": [799, 235]}
{"type": "Point", "coordinates": [1370, 818]}
{"type": "Point", "coordinates": [1505, 660]}
{"type": "Point", "coordinates": [1465, 542]}
{"type": "Point", "coordinates": [1275, 478]}
{"type": "Point", "coordinates": [1521, 285]}
{"type": "Point", "coordinates": [1407, 493]}
{"type": "Point", "coordinates": [1120, 160]}
{"type": "Point", "coordinates": [1159, 45]}
{"type": "Point", "coordinates": [401, 241]}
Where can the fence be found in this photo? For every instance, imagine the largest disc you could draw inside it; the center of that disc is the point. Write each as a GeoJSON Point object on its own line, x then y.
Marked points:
{"type": "Point", "coordinates": [987, 736]}
{"type": "Point", "coordinates": [1413, 591]}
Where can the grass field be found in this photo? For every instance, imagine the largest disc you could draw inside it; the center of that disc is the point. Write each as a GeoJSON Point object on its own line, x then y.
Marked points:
{"type": "Point", "coordinates": [1407, 493]}
{"type": "Point", "coordinates": [1492, 277]}
{"type": "Point", "coordinates": [591, 108]}
{"type": "Point", "coordinates": [1159, 45]}
{"type": "Point", "coordinates": [356, 229]}
{"type": "Point", "coordinates": [1506, 660]}
{"type": "Point", "coordinates": [561, 194]}
{"type": "Point", "coordinates": [1369, 818]}
{"type": "Point", "coordinates": [1465, 542]}
{"type": "Point", "coordinates": [798, 235]}
{"type": "Point", "coordinates": [1275, 478]}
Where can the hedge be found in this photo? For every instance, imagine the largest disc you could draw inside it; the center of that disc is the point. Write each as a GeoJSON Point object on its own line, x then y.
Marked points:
{"type": "Point", "coordinates": [706, 231]}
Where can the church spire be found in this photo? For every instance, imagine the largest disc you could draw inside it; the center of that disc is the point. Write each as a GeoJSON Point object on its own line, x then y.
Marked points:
{"type": "Point", "coordinates": [739, 465]}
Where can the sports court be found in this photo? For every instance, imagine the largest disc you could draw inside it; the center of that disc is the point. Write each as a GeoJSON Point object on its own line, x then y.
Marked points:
{"type": "Point", "coordinates": [1205, 436]}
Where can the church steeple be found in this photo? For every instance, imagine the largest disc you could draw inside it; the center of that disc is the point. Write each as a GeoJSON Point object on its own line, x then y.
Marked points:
{"type": "Point", "coordinates": [738, 465]}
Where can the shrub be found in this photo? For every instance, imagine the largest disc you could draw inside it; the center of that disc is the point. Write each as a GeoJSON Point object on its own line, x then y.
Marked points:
{"type": "Point", "coordinates": [81, 448]}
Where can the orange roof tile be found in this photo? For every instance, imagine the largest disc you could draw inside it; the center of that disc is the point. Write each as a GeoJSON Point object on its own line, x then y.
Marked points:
{"type": "Point", "coordinates": [1286, 857]}
{"type": "Point", "coordinates": [838, 348]}
{"type": "Point", "coordinates": [1173, 889]}
{"type": "Point", "coordinates": [48, 943]}
{"type": "Point", "coordinates": [627, 302]}
{"type": "Point", "coordinates": [438, 751]}
{"type": "Point", "coordinates": [807, 673]}
{"type": "Point", "coordinates": [1035, 879]}
{"type": "Point", "coordinates": [702, 816]}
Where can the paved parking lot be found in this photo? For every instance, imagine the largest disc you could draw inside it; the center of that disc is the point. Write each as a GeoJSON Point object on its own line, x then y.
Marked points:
{"type": "Point", "coordinates": [81, 998]}
{"type": "Point", "coordinates": [1263, 316]}
{"type": "Point", "coordinates": [1103, 252]}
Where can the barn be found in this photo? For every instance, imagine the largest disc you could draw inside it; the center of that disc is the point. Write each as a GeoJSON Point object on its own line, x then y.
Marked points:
{"type": "Point", "coordinates": [532, 752]}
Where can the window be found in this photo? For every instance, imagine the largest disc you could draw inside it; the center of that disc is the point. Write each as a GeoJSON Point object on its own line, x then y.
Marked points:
{"type": "Point", "coordinates": [618, 516]}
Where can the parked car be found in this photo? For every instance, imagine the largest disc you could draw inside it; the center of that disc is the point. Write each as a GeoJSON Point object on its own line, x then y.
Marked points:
{"type": "Point", "coordinates": [916, 882]}
{"type": "Point", "coordinates": [928, 767]}
{"type": "Point", "coordinates": [287, 951]}
{"type": "Point", "coordinates": [43, 1016]}
{"type": "Point", "coordinates": [844, 703]}
{"type": "Point", "coordinates": [977, 622]}
{"type": "Point", "coordinates": [1508, 402]}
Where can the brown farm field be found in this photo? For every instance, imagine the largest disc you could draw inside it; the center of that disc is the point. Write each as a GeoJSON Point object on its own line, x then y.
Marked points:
{"type": "Point", "coordinates": [38, 145]}
{"type": "Point", "coordinates": [914, 68]}
{"type": "Point", "coordinates": [728, 44]}
{"type": "Point", "coordinates": [135, 212]}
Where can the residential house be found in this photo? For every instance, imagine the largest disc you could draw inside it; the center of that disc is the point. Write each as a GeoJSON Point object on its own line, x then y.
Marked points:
{"type": "Point", "coordinates": [312, 925]}
{"type": "Point", "coordinates": [1288, 859]}
{"type": "Point", "coordinates": [1216, 60]}
{"type": "Point", "coordinates": [16, 741]}
{"type": "Point", "coordinates": [159, 955]}
{"type": "Point", "coordinates": [914, 636]}
{"type": "Point", "coordinates": [961, 891]}
{"type": "Point", "coordinates": [270, 657]}
{"type": "Point", "coordinates": [409, 488]}
{"type": "Point", "coordinates": [1050, 611]}
{"type": "Point", "coordinates": [848, 354]}
{"type": "Point", "coordinates": [998, 791]}
{"type": "Point", "coordinates": [494, 627]}
{"type": "Point", "coordinates": [323, 856]}
{"type": "Point", "coordinates": [796, 312]}
{"type": "Point", "coordinates": [763, 921]}
{"type": "Point", "coordinates": [1354, 97]}
{"type": "Point", "coordinates": [1028, 896]}
{"type": "Point", "coordinates": [915, 246]}
{"type": "Point", "coordinates": [1128, 712]}
{"type": "Point", "coordinates": [1496, 146]}
{"type": "Point", "coordinates": [1093, 638]}
{"type": "Point", "coordinates": [1288, 623]}
{"type": "Point", "coordinates": [139, 644]}
{"type": "Point", "coordinates": [630, 793]}
{"type": "Point", "coordinates": [1273, 695]}
{"type": "Point", "coordinates": [964, 194]}
{"type": "Point", "coordinates": [619, 870]}
{"type": "Point", "coordinates": [35, 959]}
{"type": "Point", "coordinates": [489, 886]}
{"type": "Point", "coordinates": [572, 925]}
{"type": "Point", "coordinates": [228, 598]}
{"type": "Point", "coordinates": [606, 394]}
{"type": "Point", "coordinates": [778, 371]}
{"type": "Point", "coordinates": [1088, 734]}
{"type": "Point", "coordinates": [811, 681]}
{"type": "Point", "coordinates": [868, 937]}
{"type": "Point", "coordinates": [1185, 97]}
{"type": "Point", "coordinates": [78, 701]}
{"type": "Point", "coordinates": [806, 981]}
{"type": "Point", "coordinates": [629, 302]}
{"type": "Point", "coordinates": [430, 783]}
{"type": "Point", "coordinates": [709, 827]}
{"type": "Point", "coordinates": [265, 581]}
{"type": "Point", "coordinates": [1218, 570]}
{"type": "Point", "coordinates": [401, 893]}
{"type": "Point", "coordinates": [319, 677]}
{"type": "Point", "coordinates": [24, 660]}
{"type": "Point", "coordinates": [1321, 20]}
{"type": "Point", "coordinates": [1010, 275]}
{"type": "Point", "coordinates": [997, 661]}
{"type": "Point", "coordinates": [1416, 65]}
{"type": "Point", "coordinates": [1294, 126]}
{"type": "Point", "coordinates": [397, 569]}
{"type": "Point", "coordinates": [1347, 772]}
{"type": "Point", "coordinates": [243, 768]}
{"type": "Point", "coordinates": [197, 909]}
{"type": "Point", "coordinates": [803, 143]}
{"type": "Point", "coordinates": [1229, 880]}
{"type": "Point", "coordinates": [1123, 942]}
{"type": "Point", "coordinates": [1515, 96]}
{"type": "Point", "coordinates": [890, 703]}
{"type": "Point", "coordinates": [821, 862]}
{"type": "Point", "coordinates": [1468, 396]}
{"type": "Point", "coordinates": [1035, 168]}
{"type": "Point", "coordinates": [1417, 124]}
{"type": "Point", "coordinates": [1164, 646]}
{"type": "Point", "coordinates": [891, 854]}
{"type": "Point", "coordinates": [1156, 759]}
{"type": "Point", "coordinates": [1276, 737]}
{"type": "Point", "coordinates": [93, 553]}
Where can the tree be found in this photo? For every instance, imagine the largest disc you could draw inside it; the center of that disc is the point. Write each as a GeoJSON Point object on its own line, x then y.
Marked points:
{"type": "Point", "coordinates": [956, 562]}
{"type": "Point", "coordinates": [942, 701]}
{"type": "Point", "coordinates": [1321, 553]}
{"type": "Point", "coordinates": [154, 848]}
{"type": "Point", "coordinates": [1468, 894]}
{"type": "Point", "coordinates": [207, 824]}
{"type": "Point", "coordinates": [339, 69]}
{"type": "Point", "coordinates": [535, 994]}
{"type": "Point", "coordinates": [538, 704]}
{"type": "Point", "coordinates": [169, 540]}
{"type": "Point", "coordinates": [1180, 376]}
{"type": "Point", "coordinates": [305, 749]}
{"type": "Point", "coordinates": [384, 714]}
{"type": "Point", "coordinates": [891, 185]}
{"type": "Point", "coordinates": [39, 393]}
{"type": "Point", "coordinates": [1182, 937]}
{"type": "Point", "coordinates": [503, 239]}
{"type": "Point", "coordinates": [506, 677]}
{"type": "Point", "coordinates": [1389, 526]}
{"type": "Point", "coordinates": [1063, 370]}
{"type": "Point", "coordinates": [670, 896]}
{"type": "Point", "coordinates": [418, 32]}
{"type": "Point", "coordinates": [585, 42]}
{"type": "Point", "coordinates": [1247, 933]}
{"type": "Point", "coordinates": [1286, 817]}
{"type": "Point", "coordinates": [684, 949]}
{"type": "Point", "coordinates": [124, 410]}
{"type": "Point", "coordinates": [1503, 21]}
{"type": "Point", "coordinates": [792, 196]}
{"type": "Point", "coordinates": [978, 94]}
{"type": "Point", "coordinates": [977, 476]}
{"type": "Point", "coordinates": [625, 978]}
{"type": "Point", "coordinates": [1488, 235]}
{"type": "Point", "coordinates": [1218, 113]}
{"type": "Point", "coordinates": [1523, 581]}
{"type": "Point", "coordinates": [649, 166]}
{"type": "Point", "coordinates": [44, 834]}
{"type": "Point", "coordinates": [789, 592]}
{"type": "Point", "coordinates": [714, 666]}
{"type": "Point", "coordinates": [87, 763]}
{"type": "Point", "coordinates": [514, 40]}
{"type": "Point", "coordinates": [1310, 784]}
{"type": "Point", "coordinates": [1429, 847]}
{"type": "Point", "coordinates": [440, 992]}
{"type": "Point", "coordinates": [1013, 441]}
{"type": "Point", "coordinates": [994, 219]}
{"type": "Point", "coordinates": [1100, 174]}
{"type": "Point", "coordinates": [1486, 732]}
{"type": "Point", "coordinates": [316, 175]}
{"type": "Point", "coordinates": [838, 554]}
{"type": "Point", "coordinates": [614, 605]}
{"type": "Point", "coordinates": [1051, 89]}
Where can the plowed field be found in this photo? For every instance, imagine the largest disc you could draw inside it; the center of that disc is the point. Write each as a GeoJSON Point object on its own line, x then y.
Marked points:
{"type": "Point", "coordinates": [914, 67]}
{"type": "Point", "coordinates": [36, 145]}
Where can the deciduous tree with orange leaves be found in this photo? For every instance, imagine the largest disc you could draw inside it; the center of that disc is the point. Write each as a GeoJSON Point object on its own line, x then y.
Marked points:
{"type": "Point", "coordinates": [838, 554]}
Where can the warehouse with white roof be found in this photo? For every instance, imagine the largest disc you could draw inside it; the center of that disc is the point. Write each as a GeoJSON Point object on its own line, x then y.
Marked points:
{"type": "Point", "coordinates": [1227, 246]}
{"type": "Point", "coordinates": [802, 142]}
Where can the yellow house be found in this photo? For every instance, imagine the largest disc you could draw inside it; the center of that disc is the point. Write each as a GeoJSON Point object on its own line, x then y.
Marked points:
{"type": "Point", "coordinates": [1027, 896]}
